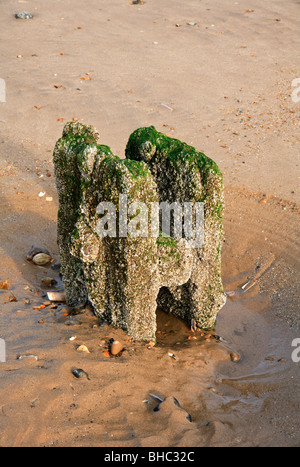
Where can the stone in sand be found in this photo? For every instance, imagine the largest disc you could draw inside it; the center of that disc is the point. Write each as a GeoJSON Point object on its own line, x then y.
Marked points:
{"type": "Point", "coordinates": [23, 15]}
{"type": "Point", "coordinates": [125, 278]}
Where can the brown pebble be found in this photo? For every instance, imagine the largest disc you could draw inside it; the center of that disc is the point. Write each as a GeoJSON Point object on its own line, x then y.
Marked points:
{"type": "Point", "coordinates": [116, 347]}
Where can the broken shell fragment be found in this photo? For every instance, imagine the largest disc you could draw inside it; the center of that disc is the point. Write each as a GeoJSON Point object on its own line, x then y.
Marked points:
{"type": "Point", "coordinates": [80, 309]}
{"type": "Point", "coordinates": [83, 348]}
{"type": "Point", "coordinates": [41, 259]}
{"type": "Point", "coordinates": [172, 355]}
{"type": "Point", "coordinates": [56, 296]}
{"type": "Point", "coordinates": [20, 357]}
{"type": "Point", "coordinates": [116, 347]}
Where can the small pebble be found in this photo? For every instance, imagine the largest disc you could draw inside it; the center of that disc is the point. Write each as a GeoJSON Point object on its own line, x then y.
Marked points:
{"type": "Point", "coordinates": [235, 357]}
{"type": "Point", "coordinates": [23, 15]}
{"type": "Point", "coordinates": [49, 282]}
{"type": "Point", "coordinates": [79, 373]}
{"type": "Point", "coordinates": [116, 347]}
{"type": "Point", "coordinates": [83, 348]}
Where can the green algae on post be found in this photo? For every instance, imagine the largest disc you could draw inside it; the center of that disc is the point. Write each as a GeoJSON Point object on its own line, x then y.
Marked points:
{"type": "Point", "coordinates": [124, 276]}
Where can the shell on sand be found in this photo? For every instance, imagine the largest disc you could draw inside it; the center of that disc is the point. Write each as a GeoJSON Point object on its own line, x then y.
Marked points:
{"type": "Point", "coordinates": [41, 259]}
{"type": "Point", "coordinates": [34, 250]}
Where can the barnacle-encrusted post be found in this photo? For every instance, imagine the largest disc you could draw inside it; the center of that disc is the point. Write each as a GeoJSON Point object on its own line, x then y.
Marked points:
{"type": "Point", "coordinates": [184, 174]}
{"type": "Point", "coordinates": [125, 275]}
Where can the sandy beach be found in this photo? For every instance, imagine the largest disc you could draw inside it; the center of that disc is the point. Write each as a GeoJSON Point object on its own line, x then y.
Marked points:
{"type": "Point", "coordinates": [219, 76]}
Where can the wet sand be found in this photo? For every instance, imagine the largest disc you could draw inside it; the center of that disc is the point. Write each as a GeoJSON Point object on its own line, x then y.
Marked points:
{"type": "Point", "coordinates": [227, 79]}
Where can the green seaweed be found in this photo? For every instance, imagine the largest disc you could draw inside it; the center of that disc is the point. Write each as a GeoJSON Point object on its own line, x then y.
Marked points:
{"type": "Point", "coordinates": [158, 146]}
